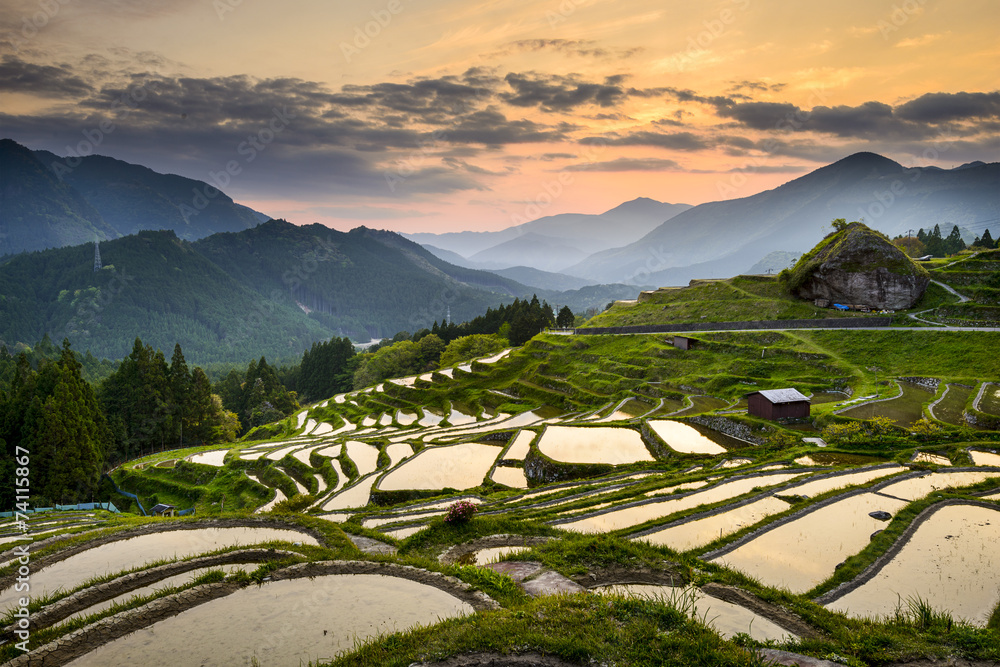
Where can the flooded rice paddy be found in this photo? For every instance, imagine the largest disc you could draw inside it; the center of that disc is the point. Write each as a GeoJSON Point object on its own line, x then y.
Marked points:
{"type": "Point", "coordinates": [493, 554]}
{"type": "Point", "coordinates": [700, 532]}
{"type": "Point", "coordinates": [452, 466]}
{"type": "Point", "coordinates": [951, 562]}
{"type": "Point", "coordinates": [364, 456]}
{"type": "Point", "coordinates": [512, 477]}
{"type": "Point", "coordinates": [282, 623]}
{"type": "Point", "coordinates": [934, 459]}
{"type": "Point", "coordinates": [802, 553]}
{"type": "Point", "coordinates": [579, 444]}
{"type": "Point", "coordinates": [683, 438]}
{"type": "Point", "coordinates": [726, 618]}
{"type": "Point", "coordinates": [985, 458]}
{"type": "Point", "coordinates": [633, 516]}
{"type": "Point", "coordinates": [918, 487]}
{"type": "Point", "coordinates": [819, 486]}
{"type": "Point", "coordinates": [134, 552]}
{"type": "Point", "coordinates": [521, 445]}
{"type": "Point", "coordinates": [210, 458]}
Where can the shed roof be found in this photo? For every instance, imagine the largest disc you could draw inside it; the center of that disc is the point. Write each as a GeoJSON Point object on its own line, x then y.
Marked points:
{"type": "Point", "coordinates": [162, 507]}
{"type": "Point", "coordinates": [783, 395]}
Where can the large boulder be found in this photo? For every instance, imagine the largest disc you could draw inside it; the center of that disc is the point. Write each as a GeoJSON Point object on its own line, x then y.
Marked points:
{"type": "Point", "coordinates": [856, 265]}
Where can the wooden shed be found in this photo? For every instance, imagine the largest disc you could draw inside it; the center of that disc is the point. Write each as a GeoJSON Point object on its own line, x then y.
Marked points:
{"type": "Point", "coordinates": [683, 343]}
{"type": "Point", "coordinates": [162, 510]}
{"type": "Point", "coordinates": [778, 404]}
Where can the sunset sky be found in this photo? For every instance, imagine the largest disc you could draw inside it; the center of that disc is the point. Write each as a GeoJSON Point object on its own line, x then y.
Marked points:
{"type": "Point", "coordinates": [439, 115]}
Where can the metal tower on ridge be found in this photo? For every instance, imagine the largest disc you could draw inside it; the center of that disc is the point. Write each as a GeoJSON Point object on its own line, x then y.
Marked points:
{"type": "Point", "coordinates": [97, 257]}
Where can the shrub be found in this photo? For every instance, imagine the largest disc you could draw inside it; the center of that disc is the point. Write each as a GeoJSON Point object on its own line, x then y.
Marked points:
{"type": "Point", "coordinates": [461, 512]}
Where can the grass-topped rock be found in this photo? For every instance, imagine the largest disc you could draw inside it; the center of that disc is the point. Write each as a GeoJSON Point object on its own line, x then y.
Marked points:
{"type": "Point", "coordinates": [856, 265]}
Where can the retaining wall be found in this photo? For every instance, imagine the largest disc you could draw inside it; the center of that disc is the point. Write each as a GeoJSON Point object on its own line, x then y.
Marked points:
{"type": "Point", "coordinates": [845, 323]}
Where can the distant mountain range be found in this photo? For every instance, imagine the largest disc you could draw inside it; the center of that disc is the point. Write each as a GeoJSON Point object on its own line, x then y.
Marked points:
{"type": "Point", "coordinates": [49, 202]}
{"type": "Point", "coordinates": [554, 242]}
{"type": "Point", "coordinates": [722, 239]}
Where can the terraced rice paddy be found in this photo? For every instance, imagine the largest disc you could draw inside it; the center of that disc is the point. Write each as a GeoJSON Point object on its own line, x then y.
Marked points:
{"type": "Point", "coordinates": [951, 562]}
{"type": "Point", "coordinates": [700, 532]}
{"type": "Point", "coordinates": [635, 515]}
{"type": "Point", "coordinates": [454, 466]}
{"type": "Point", "coordinates": [981, 458]}
{"type": "Point", "coordinates": [126, 554]}
{"type": "Point", "coordinates": [951, 407]}
{"type": "Point", "coordinates": [577, 444]}
{"type": "Point", "coordinates": [800, 554]}
{"type": "Point", "coordinates": [989, 402]}
{"type": "Point", "coordinates": [726, 618]}
{"type": "Point", "coordinates": [903, 411]}
{"type": "Point", "coordinates": [210, 458]}
{"type": "Point", "coordinates": [280, 623]}
{"type": "Point", "coordinates": [683, 438]}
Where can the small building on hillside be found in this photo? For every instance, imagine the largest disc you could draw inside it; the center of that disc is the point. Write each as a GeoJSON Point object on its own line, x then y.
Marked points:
{"type": "Point", "coordinates": [162, 510]}
{"type": "Point", "coordinates": [778, 404]}
{"type": "Point", "coordinates": [683, 343]}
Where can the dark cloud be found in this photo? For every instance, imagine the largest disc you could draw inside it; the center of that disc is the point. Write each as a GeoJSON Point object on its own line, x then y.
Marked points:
{"type": "Point", "coordinates": [680, 141]}
{"type": "Point", "coordinates": [492, 128]}
{"type": "Point", "coordinates": [948, 107]}
{"type": "Point", "coordinates": [18, 76]}
{"type": "Point", "coordinates": [628, 164]}
{"type": "Point", "coordinates": [560, 93]}
{"type": "Point", "coordinates": [576, 47]}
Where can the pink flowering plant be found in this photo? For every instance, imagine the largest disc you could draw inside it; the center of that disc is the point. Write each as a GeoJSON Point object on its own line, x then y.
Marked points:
{"type": "Point", "coordinates": [461, 512]}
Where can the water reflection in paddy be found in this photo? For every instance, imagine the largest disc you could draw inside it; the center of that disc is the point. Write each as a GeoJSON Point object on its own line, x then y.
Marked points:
{"type": "Point", "coordinates": [397, 452]}
{"type": "Point", "coordinates": [918, 487]}
{"type": "Point", "coordinates": [985, 458]}
{"type": "Point", "coordinates": [700, 532]}
{"type": "Point", "coordinates": [364, 456]}
{"type": "Point", "coordinates": [284, 622]}
{"type": "Point", "coordinates": [512, 477]}
{"type": "Point", "coordinates": [593, 445]}
{"type": "Point", "coordinates": [492, 555]}
{"type": "Point", "coordinates": [176, 580]}
{"type": "Point", "coordinates": [353, 496]}
{"type": "Point", "coordinates": [802, 553]}
{"type": "Point", "coordinates": [726, 618]}
{"type": "Point", "coordinates": [927, 457]}
{"type": "Point", "coordinates": [455, 466]}
{"type": "Point", "coordinates": [683, 438]}
{"type": "Point", "coordinates": [521, 445]}
{"type": "Point", "coordinates": [210, 458]}
{"type": "Point", "coordinates": [133, 552]}
{"type": "Point", "coordinates": [951, 562]}
{"type": "Point", "coordinates": [632, 516]}
{"type": "Point", "coordinates": [816, 487]}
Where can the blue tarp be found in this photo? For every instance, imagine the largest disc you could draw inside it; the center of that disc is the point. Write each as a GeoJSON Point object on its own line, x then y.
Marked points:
{"type": "Point", "coordinates": [840, 307]}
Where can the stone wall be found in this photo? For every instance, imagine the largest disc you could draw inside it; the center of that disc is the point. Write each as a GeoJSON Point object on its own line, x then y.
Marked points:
{"type": "Point", "coordinates": [832, 323]}
{"type": "Point", "coordinates": [733, 429]}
